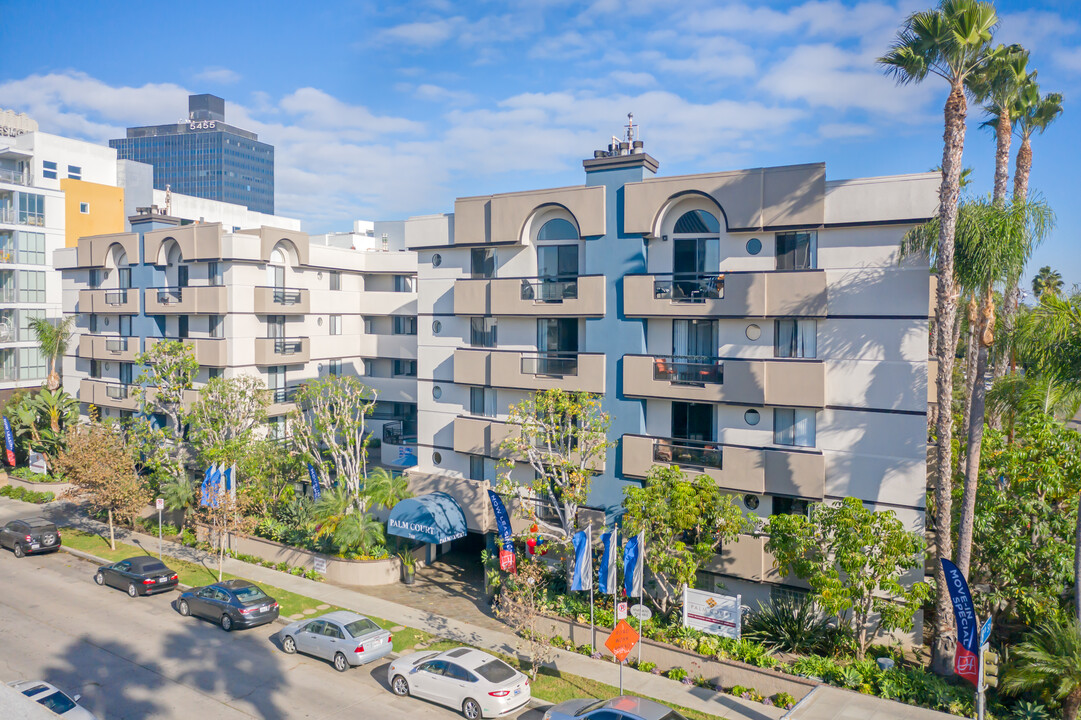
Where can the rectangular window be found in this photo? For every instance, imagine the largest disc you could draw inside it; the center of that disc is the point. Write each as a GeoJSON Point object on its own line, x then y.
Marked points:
{"type": "Point", "coordinates": [75, 172]}
{"type": "Point", "coordinates": [31, 286]}
{"type": "Point", "coordinates": [557, 335]}
{"type": "Point", "coordinates": [125, 325]}
{"type": "Point", "coordinates": [48, 169]}
{"type": "Point", "coordinates": [31, 209]}
{"type": "Point", "coordinates": [557, 261]}
{"type": "Point", "coordinates": [31, 248]}
{"type": "Point", "coordinates": [31, 364]}
{"type": "Point", "coordinates": [369, 367]}
{"type": "Point", "coordinates": [795, 338]}
{"type": "Point", "coordinates": [217, 326]}
{"type": "Point", "coordinates": [405, 283]}
{"type": "Point", "coordinates": [275, 326]}
{"type": "Point", "coordinates": [182, 326]}
{"type": "Point", "coordinates": [404, 325]}
{"type": "Point", "coordinates": [405, 368]}
{"type": "Point", "coordinates": [335, 280]}
{"type": "Point", "coordinates": [476, 467]}
{"type": "Point", "coordinates": [692, 421]}
{"type": "Point", "coordinates": [95, 279]}
{"type": "Point", "coordinates": [95, 369]}
{"type": "Point", "coordinates": [797, 250]}
{"type": "Point", "coordinates": [25, 316]}
{"type": "Point", "coordinates": [482, 263]}
{"type": "Point", "coordinates": [84, 208]}
{"type": "Point", "coordinates": [214, 274]}
{"type": "Point", "coordinates": [335, 324]}
{"type": "Point", "coordinates": [794, 426]}
{"type": "Point", "coordinates": [334, 367]}
{"type": "Point", "coordinates": [368, 326]}
{"type": "Point", "coordinates": [92, 323]}
{"type": "Point", "coordinates": [482, 332]}
{"type": "Point", "coordinates": [482, 401]}
{"type": "Point", "coordinates": [790, 506]}
{"type": "Point", "coordinates": [126, 373]}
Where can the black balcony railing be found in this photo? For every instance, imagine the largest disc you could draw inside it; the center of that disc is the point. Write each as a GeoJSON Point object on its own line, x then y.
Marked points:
{"type": "Point", "coordinates": [117, 345]}
{"type": "Point", "coordinates": [550, 364]}
{"type": "Point", "coordinates": [689, 287]}
{"type": "Point", "coordinates": [550, 289]}
{"type": "Point", "coordinates": [283, 395]}
{"type": "Point", "coordinates": [170, 295]}
{"type": "Point", "coordinates": [116, 297]}
{"type": "Point", "coordinates": [688, 453]}
{"type": "Point", "coordinates": [689, 369]}
{"type": "Point", "coordinates": [288, 346]}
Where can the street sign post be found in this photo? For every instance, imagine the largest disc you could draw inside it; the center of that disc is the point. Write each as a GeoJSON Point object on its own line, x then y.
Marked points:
{"type": "Point", "coordinates": [641, 612]}
{"type": "Point", "coordinates": [160, 505]}
{"type": "Point", "coordinates": [620, 643]}
{"type": "Point", "coordinates": [621, 611]}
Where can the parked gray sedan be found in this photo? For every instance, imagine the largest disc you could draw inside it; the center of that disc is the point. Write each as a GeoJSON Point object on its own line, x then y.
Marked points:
{"type": "Point", "coordinates": [625, 707]}
{"type": "Point", "coordinates": [342, 637]}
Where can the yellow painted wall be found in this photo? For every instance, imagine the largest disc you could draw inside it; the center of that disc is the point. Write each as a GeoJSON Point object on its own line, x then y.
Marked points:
{"type": "Point", "coordinates": [106, 212]}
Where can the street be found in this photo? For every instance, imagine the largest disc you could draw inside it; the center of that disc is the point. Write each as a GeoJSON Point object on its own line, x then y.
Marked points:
{"type": "Point", "coordinates": [137, 658]}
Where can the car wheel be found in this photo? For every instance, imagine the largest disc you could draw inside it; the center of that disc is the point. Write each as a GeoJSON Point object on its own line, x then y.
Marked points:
{"type": "Point", "coordinates": [399, 686]}
{"type": "Point", "coordinates": [19, 552]}
{"type": "Point", "coordinates": [99, 578]}
{"type": "Point", "coordinates": [226, 623]}
{"type": "Point", "coordinates": [289, 645]}
{"type": "Point", "coordinates": [340, 663]}
{"type": "Point", "coordinates": [183, 608]}
{"type": "Point", "coordinates": [471, 709]}
{"type": "Point", "coordinates": [132, 590]}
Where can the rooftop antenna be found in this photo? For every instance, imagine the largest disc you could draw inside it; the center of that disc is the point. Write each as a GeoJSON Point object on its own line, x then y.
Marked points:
{"type": "Point", "coordinates": [168, 199]}
{"type": "Point", "coordinates": [632, 129]}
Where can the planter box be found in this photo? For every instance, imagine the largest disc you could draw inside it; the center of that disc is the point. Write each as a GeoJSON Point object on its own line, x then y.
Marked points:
{"type": "Point", "coordinates": [56, 488]}
{"type": "Point", "coordinates": [343, 572]}
{"type": "Point", "coordinates": [720, 672]}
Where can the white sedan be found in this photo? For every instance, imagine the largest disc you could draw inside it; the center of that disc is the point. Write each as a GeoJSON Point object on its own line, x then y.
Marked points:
{"type": "Point", "coordinates": [50, 697]}
{"type": "Point", "coordinates": [478, 684]}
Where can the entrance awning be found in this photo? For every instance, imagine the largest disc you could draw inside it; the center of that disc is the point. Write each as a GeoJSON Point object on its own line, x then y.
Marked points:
{"type": "Point", "coordinates": [433, 518]}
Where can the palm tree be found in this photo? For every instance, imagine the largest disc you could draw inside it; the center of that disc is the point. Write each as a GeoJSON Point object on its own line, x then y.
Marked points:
{"type": "Point", "coordinates": [951, 42]}
{"type": "Point", "coordinates": [1047, 281]}
{"type": "Point", "coordinates": [340, 516]}
{"type": "Point", "coordinates": [384, 489]}
{"type": "Point", "coordinates": [1000, 85]}
{"type": "Point", "coordinates": [53, 340]}
{"type": "Point", "coordinates": [1050, 660]}
{"type": "Point", "coordinates": [1034, 114]}
{"type": "Point", "coordinates": [1017, 395]}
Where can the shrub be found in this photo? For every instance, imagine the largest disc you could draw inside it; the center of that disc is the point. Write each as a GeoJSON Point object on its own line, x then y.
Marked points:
{"type": "Point", "coordinates": [187, 537]}
{"type": "Point", "coordinates": [784, 700]}
{"type": "Point", "coordinates": [24, 495]}
{"type": "Point", "coordinates": [708, 645]}
{"type": "Point", "coordinates": [814, 666]}
{"type": "Point", "coordinates": [789, 625]}
{"type": "Point", "coordinates": [676, 674]}
{"type": "Point", "coordinates": [701, 682]}
{"type": "Point", "coordinates": [584, 649]}
{"type": "Point", "coordinates": [1025, 710]}
{"type": "Point", "coordinates": [647, 666]}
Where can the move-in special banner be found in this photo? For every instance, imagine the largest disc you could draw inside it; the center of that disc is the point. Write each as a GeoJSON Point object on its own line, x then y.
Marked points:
{"type": "Point", "coordinates": [966, 662]}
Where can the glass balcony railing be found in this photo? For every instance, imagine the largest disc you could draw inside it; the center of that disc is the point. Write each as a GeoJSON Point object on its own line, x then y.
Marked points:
{"type": "Point", "coordinates": [689, 287]}
{"type": "Point", "coordinates": [116, 297]}
{"type": "Point", "coordinates": [170, 295]}
{"type": "Point", "coordinates": [688, 369]}
{"type": "Point", "coordinates": [116, 345]}
{"type": "Point", "coordinates": [550, 289]}
{"type": "Point", "coordinates": [288, 346]}
{"type": "Point", "coordinates": [117, 391]}
{"type": "Point", "coordinates": [688, 453]}
{"type": "Point", "coordinates": [14, 176]}
{"type": "Point", "coordinates": [550, 364]}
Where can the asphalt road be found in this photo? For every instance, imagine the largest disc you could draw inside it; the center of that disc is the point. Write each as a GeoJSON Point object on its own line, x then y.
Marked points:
{"type": "Point", "coordinates": [137, 658]}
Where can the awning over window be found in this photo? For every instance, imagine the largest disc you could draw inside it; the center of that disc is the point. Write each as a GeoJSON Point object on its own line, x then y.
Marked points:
{"type": "Point", "coordinates": [433, 518]}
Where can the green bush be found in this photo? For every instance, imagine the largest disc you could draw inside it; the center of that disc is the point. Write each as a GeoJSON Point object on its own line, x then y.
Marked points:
{"type": "Point", "coordinates": [187, 538]}
{"type": "Point", "coordinates": [790, 625]}
{"type": "Point", "coordinates": [25, 473]}
{"type": "Point", "coordinates": [24, 495]}
{"type": "Point", "coordinates": [676, 674]}
{"type": "Point", "coordinates": [783, 700]}
{"type": "Point", "coordinates": [646, 666]}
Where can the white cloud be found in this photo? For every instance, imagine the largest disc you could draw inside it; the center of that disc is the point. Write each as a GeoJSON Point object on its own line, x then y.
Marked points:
{"type": "Point", "coordinates": [422, 34]}
{"type": "Point", "coordinates": [436, 93]}
{"type": "Point", "coordinates": [317, 109]}
{"type": "Point", "coordinates": [567, 45]}
{"type": "Point", "coordinates": [633, 79]}
{"type": "Point", "coordinates": [845, 130]}
{"type": "Point", "coordinates": [1033, 28]}
{"type": "Point", "coordinates": [1069, 59]}
{"type": "Point", "coordinates": [712, 58]}
{"type": "Point", "coordinates": [218, 76]}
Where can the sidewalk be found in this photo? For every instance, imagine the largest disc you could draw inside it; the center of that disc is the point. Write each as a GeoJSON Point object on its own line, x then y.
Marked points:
{"type": "Point", "coordinates": [647, 684]}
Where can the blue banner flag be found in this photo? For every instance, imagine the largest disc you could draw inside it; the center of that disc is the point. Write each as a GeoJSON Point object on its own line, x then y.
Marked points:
{"type": "Point", "coordinates": [502, 521]}
{"type": "Point", "coordinates": [9, 442]}
{"type": "Point", "coordinates": [583, 559]}
{"type": "Point", "coordinates": [966, 662]}
{"type": "Point", "coordinates": [204, 497]}
{"type": "Point", "coordinates": [608, 583]}
{"type": "Point", "coordinates": [633, 557]}
{"type": "Point", "coordinates": [317, 491]}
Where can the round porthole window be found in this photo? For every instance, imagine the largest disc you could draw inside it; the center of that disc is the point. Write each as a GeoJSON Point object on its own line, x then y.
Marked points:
{"type": "Point", "coordinates": [319, 322]}
{"type": "Point", "coordinates": [436, 458]}
{"type": "Point", "coordinates": [752, 416]}
{"type": "Point", "coordinates": [437, 392]}
{"type": "Point", "coordinates": [753, 332]}
{"type": "Point", "coordinates": [751, 501]}
{"type": "Point", "coordinates": [754, 246]}
{"type": "Point", "coordinates": [436, 327]}
{"type": "Point", "coordinates": [437, 260]}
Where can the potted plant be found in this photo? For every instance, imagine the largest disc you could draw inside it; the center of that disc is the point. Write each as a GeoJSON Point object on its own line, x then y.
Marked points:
{"type": "Point", "coordinates": [409, 567]}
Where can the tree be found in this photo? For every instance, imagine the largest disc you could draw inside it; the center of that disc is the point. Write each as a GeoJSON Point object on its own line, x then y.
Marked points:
{"type": "Point", "coordinates": [999, 84]}
{"type": "Point", "coordinates": [951, 42]}
{"type": "Point", "coordinates": [685, 523]}
{"type": "Point", "coordinates": [169, 370]}
{"type": "Point", "coordinates": [101, 468]}
{"type": "Point", "coordinates": [384, 489]}
{"type": "Point", "coordinates": [352, 530]}
{"type": "Point", "coordinates": [269, 470]}
{"type": "Point", "coordinates": [854, 559]}
{"type": "Point", "coordinates": [39, 422]}
{"type": "Point", "coordinates": [53, 337]}
{"type": "Point", "coordinates": [330, 419]}
{"type": "Point", "coordinates": [226, 416]}
{"type": "Point", "coordinates": [225, 512]}
{"type": "Point", "coordinates": [521, 605]}
{"type": "Point", "coordinates": [1050, 660]}
{"type": "Point", "coordinates": [1046, 281]}
{"type": "Point", "coordinates": [563, 436]}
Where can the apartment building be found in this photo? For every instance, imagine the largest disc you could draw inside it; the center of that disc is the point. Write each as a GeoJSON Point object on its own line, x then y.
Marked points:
{"type": "Point", "coordinates": [752, 326]}
{"type": "Point", "coordinates": [266, 302]}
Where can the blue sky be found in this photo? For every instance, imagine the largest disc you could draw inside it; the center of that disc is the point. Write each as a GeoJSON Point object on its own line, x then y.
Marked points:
{"type": "Point", "coordinates": [383, 110]}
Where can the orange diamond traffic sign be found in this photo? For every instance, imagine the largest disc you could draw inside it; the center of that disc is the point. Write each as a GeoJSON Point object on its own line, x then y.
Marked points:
{"type": "Point", "coordinates": [622, 640]}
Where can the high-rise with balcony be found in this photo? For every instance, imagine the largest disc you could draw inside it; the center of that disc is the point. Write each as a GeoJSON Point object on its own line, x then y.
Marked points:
{"type": "Point", "coordinates": [751, 326]}
{"type": "Point", "coordinates": [205, 157]}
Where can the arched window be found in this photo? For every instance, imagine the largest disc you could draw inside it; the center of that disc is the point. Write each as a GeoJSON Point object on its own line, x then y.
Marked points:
{"type": "Point", "coordinates": [698, 222]}
{"type": "Point", "coordinates": [558, 229]}
{"type": "Point", "coordinates": [696, 257]}
{"type": "Point", "coordinates": [275, 269]}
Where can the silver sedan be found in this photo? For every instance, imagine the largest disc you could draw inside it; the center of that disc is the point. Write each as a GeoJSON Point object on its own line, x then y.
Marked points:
{"type": "Point", "coordinates": [342, 637]}
{"type": "Point", "coordinates": [472, 681]}
{"type": "Point", "coordinates": [627, 707]}
{"type": "Point", "coordinates": [50, 697]}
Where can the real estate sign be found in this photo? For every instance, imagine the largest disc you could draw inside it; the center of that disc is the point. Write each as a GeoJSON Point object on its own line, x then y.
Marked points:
{"type": "Point", "coordinates": [711, 613]}
{"type": "Point", "coordinates": [37, 463]}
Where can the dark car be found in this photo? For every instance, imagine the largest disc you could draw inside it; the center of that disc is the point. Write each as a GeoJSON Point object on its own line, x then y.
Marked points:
{"type": "Point", "coordinates": [231, 604]}
{"type": "Point", "coordinates": [142, 575]}
{"type": "Point", "coordinates": [30, 536]}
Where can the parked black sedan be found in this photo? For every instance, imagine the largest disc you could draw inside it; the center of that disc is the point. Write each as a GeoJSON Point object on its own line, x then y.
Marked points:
{"type": "Point", "coordinates": [142, 575]}
{"type": "Point", "coordinates": [231, 604]}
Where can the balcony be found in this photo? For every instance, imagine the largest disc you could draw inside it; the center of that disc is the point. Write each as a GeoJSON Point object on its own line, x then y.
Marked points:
{"type": "Point", "coordinates": [209, 352]}
{"type": "Point", "coordinates": [738, 468]}
{"type": "Point", "coordinates": [282, 351]}
{"type": "Point", "coordinates": [206, 300]}
{"type": "Point", "coordinates": [799, 293]}
{"type": "Point", "coordinates": [574, 372]}
{"type": "Point", "coordinates": [120, 301]}
{"type": "Point", "coordinates": [800, 383]}
{"type": "Point", "coordinates": [485, 436]}
{"type": "Point", "coordinates": [281, 301]}
{"type": "Point", "coordinates": [745, 558]}
{"type": "Point", "coordinates": [14, 177]}
{"type": "Point", "coordinates": [578, 296]}
{"type": "Point", "coordinates": [108, 394]}
{"type": "Point", "coordinates": [108, 347]}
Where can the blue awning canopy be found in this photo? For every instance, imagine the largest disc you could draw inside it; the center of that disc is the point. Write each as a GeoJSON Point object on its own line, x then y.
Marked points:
{"type": "Point", "coordinates": [433, 518]}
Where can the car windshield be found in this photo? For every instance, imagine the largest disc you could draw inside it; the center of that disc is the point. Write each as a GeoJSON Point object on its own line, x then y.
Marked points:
{"type": "Point", "coordinates": [58, 702]}
{"type": "Point", "coordinates": [249, 593]}
{"type": "Point", "coordinates": [154, 567]}
{"type": "Point", "coordinates": [495, 671]}
{"type": "Point", "coordinates": [361, 627]}
{"type": "Point", "coordinates": [590, 708]}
